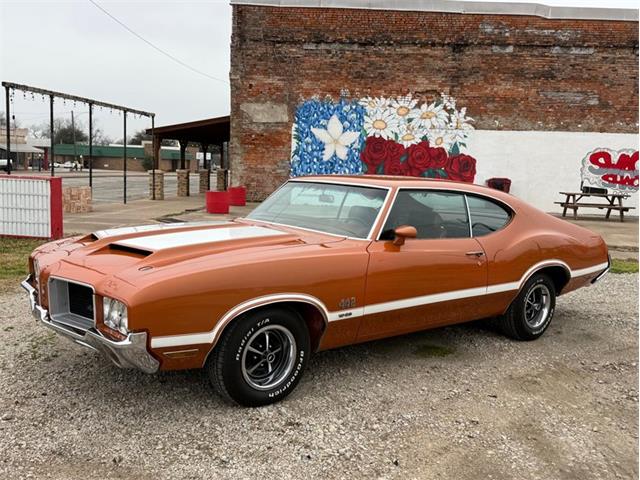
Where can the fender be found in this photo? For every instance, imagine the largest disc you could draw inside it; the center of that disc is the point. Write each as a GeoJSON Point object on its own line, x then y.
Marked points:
{"type": "Point", "coordinates": [211, 337]}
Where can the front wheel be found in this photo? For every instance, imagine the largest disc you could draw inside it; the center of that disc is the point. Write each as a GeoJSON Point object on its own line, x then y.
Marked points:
{"type": "Point", "coordinates": [531, 312]}
{"type": "Point", "coordinates": [260, 357]}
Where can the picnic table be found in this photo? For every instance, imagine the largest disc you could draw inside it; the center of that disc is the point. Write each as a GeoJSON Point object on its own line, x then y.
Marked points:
{"type": "Point", "coordinates": [614, 202]}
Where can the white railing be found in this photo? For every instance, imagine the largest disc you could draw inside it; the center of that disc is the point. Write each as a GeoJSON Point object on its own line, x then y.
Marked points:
{"type": "Point", "coordinates": [30, 206]}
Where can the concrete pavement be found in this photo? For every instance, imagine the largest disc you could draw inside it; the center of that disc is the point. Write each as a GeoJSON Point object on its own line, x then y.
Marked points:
{"type": "Point", "coordinates": [140, 212]}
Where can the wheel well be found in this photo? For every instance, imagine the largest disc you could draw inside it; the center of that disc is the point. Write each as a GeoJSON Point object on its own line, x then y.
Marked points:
{"type": "Point", "coordinates": [558, 275]}
{"type": "Point", "coordinates": [310, 314]}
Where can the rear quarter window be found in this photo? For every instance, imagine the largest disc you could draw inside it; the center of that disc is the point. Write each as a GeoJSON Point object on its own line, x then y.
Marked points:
{"type": "Point", "coordinates": [487, 216]}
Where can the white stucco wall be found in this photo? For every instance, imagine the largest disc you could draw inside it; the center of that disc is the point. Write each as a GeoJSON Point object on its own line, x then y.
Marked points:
{"type": "Point", "coordinates": [541, 164]}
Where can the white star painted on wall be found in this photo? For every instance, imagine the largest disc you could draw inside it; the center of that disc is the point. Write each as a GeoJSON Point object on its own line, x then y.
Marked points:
{"type": "Point", "coordinates": [335, 139]}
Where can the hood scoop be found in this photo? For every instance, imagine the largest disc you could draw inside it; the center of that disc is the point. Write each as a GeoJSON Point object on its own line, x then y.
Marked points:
{"type": "Point", "coordinates": [139, 252]}
{"type": "Point", "coordinates": [116, 249]}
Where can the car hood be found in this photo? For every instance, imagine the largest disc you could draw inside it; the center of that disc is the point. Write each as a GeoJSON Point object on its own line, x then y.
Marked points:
{"type": "Point", "coordinates": [130, 252]}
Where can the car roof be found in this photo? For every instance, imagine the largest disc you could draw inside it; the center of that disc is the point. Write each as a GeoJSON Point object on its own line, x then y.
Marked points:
{"type": "Point", "coordinates": [412, 182]}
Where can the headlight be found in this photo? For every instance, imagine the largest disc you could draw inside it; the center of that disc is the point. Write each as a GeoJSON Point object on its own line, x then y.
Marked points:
{"type": "Point", "coordinates": [114, 315]}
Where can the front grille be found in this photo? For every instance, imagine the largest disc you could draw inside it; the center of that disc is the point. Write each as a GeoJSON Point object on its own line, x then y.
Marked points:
{"type": "Point", "coordinates": [71, 304]}
{"type": "Point", "coordinates": [80, 300]}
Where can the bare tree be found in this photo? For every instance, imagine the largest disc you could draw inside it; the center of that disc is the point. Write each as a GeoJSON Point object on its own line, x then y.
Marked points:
{"type": "Point", "coordinates": [63, 132]}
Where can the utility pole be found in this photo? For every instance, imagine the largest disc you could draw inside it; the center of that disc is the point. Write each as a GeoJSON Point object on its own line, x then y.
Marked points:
{"type": "Point", "coordinates": [73, 130]}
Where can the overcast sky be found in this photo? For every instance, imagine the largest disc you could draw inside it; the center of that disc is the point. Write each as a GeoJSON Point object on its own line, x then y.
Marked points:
{"type": "Point", "coordinates": [72, 46]}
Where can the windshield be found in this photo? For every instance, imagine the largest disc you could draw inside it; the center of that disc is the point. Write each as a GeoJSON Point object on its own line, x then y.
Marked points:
{"type": "Point", "coordinates": [348, 210]}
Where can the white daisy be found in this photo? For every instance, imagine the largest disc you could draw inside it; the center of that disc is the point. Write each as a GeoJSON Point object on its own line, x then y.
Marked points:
{"type": "Point", "coordinates": [382, 123]}
{"type": "Point", "coordinates": [403, 106]}
{"type": "Point", "coordinates": [460, 124]}
{"type": "Point", "coordinates": [408, 135]}
{"type": "Point", "coordinates": [335, 139]}
{"type": "Point", "coordinates": [431, 116]}
{"type": "Point", "coordinates": [375, 103]}
{"type": "Point", "coordinates": [441, 137]}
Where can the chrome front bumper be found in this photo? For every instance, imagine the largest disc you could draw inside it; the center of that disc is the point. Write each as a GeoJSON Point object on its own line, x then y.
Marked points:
{"type": "Point", "coordinates": [129, 353]}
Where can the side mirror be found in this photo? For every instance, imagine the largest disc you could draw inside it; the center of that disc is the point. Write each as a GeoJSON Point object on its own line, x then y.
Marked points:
{"type": "Point", "coordinates": [402, 233]}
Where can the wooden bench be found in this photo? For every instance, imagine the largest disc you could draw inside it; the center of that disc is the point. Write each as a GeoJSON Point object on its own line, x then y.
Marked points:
{"type": "Point", "coordinates": [572, 202]}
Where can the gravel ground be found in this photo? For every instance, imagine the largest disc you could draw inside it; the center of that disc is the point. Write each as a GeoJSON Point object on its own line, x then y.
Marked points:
{"type": "Point", "coordinates": [459, 402]}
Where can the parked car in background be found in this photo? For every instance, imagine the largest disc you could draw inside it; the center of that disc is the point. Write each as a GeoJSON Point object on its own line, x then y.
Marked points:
{"type": "Point", "coordinates": [4, 164]}
{"type": "Point", "coordinates": [322, 263]}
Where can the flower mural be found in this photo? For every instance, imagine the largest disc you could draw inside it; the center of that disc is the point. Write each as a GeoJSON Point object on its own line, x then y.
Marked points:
{"type": "Point", "coordinates": [309, 152]}
{"type": "Point", "coordinates": [385, 136]}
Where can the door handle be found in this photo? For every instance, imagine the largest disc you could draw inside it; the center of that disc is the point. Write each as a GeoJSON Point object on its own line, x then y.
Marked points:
{"type": "Point", "coordinates": [475, 254]}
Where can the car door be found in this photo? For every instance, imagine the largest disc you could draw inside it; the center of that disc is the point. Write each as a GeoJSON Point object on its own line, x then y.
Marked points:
{"type": "Point", "coordinates": [438, 278]}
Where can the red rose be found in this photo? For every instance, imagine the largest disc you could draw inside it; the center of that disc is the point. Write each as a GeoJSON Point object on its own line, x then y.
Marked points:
{"type": "Point", "coordinates": [462, 168]}
{"type": "Point", "coordinates": [395, 151]}
{"type": "Point", "coordinates": [439, 157]}
{"type": "Point", "coordinates": [419, 159]}
{"type": "Point", "coordinates": [395, 167]}
{"type": "Point", "coordinates": [374, 153]}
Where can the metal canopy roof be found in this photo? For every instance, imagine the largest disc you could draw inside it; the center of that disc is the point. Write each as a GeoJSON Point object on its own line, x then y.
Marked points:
{"type": "Point", "coordinates": [212, 131]}
{"type": "Point", "coordinates": [21, 148]}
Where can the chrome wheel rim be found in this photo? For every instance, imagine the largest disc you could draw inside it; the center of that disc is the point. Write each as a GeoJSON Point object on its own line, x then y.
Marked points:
{"type": "Point", "coordinates": [268, 357]}
{"type": "Point", "coordinates": [537, 306]}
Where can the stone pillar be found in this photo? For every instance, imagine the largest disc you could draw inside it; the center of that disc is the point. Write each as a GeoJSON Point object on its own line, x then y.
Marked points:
{"type": "Point", "coordinates": [204, 181]}
{"type": "Point", "coordinates": [221, 179]}
{"type": "Point", "coordinates": [183, 182]}
{"type": "Point", "coordinates": [159, 184]}
{"type": "Point", "coordinates": [76, 199]}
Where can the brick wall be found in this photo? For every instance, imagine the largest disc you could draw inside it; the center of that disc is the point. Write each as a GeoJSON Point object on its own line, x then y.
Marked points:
{"type": "Point", "coordinates": [512, 72]}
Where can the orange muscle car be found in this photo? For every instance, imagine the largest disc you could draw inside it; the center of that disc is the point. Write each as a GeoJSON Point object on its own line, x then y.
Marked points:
{"type": "Point", "coordinates": [323, 262]}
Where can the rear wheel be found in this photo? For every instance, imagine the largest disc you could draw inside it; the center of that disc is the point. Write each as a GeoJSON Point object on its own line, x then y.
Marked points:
{"type": "Point", "coordinates": [531, 312]}
{"type": "Point", "coordinates": [260, 357]}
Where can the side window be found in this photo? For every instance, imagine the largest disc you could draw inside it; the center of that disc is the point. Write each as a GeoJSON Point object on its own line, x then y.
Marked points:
{"type": "Point", "coordinates": [486, 216]}
{"type": "Point", "coordinates": [434, 214]}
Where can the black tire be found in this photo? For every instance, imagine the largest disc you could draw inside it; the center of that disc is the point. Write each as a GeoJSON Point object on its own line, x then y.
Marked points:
{"type": "Point", "coordinates": [242, 375]}
{"type": "Point", "coordinates": [515, 324]}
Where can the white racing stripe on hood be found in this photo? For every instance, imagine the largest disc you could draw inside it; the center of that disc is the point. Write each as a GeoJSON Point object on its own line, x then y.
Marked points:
{"type": "Point", "coordinates": [112, 232]}
{"type": "Point", "coordinates": [196, 237]}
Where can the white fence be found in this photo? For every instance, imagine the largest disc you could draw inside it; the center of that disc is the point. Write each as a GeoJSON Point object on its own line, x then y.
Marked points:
{"type": "Point", "coordinates": [30, 206]}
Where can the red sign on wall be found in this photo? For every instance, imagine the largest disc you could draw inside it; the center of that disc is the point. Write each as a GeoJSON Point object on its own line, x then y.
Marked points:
{"type": "Point", "coordinates": [615, 170]}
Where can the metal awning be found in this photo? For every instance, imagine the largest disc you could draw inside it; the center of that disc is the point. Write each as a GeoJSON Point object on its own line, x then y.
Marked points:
{"type": "Point", "coordinates": [210, 131]}
{"type": "Point", "coordinates": [207, 132]}
{"type": "Point", "coordinates": [21, 148]}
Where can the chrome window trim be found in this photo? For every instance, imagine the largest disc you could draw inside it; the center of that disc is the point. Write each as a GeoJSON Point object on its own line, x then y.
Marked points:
{"type": "Point", "coordinates": [386, 217]}
{"type": "Point", "coordinates": [353, 184]}
{"type": "Point", "coordinates": [466, 204]}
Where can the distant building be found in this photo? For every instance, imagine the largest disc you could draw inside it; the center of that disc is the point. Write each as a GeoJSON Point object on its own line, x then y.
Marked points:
{"type": "Point", "coordinates": [23, 153]}
{"type": "Point", "coordinates": [110, 157]}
